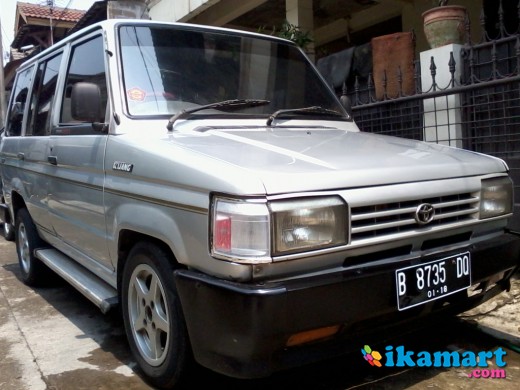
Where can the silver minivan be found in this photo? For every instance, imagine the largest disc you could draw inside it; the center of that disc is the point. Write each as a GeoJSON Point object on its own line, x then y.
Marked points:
{"type": "Point", "coordinates": [210, 184]}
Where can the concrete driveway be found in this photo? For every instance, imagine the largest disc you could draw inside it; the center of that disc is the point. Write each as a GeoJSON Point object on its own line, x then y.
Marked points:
{"type": "Point", "coordinates": [54, 338]}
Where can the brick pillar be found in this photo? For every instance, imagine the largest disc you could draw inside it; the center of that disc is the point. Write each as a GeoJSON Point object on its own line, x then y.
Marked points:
{"type": "Point", "coordinates": [132, 9]}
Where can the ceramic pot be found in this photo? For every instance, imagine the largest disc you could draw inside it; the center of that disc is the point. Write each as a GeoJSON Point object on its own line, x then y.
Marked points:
{"type": "Point", "coordinates": [445, 25]}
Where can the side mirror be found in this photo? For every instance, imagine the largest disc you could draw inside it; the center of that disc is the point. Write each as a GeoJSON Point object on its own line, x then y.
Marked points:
{"type": "Point", "coordinates": [86, 102]}
{"type": "Point", "coordinates": [16, 113]}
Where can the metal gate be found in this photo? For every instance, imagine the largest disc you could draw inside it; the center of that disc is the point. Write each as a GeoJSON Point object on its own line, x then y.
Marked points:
{"type": "Point", "coordinates": [478, 111]}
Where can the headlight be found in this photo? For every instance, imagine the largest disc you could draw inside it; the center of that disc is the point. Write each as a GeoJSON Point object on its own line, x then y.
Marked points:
{"type": "Point", "coordinates": [240, 230]}
{"type": "Point", "coordinates": [309, 224]}
{"type": "Point", "coordinates": [496, 197]}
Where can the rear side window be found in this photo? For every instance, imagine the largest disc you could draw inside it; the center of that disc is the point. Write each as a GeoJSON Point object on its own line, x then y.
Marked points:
{"type": "Point", "coordinates": [43, 97]}
{"type": "Point", "coordinates": [87, 64]}
{"type": "Point", "coordinates": [18, 102]}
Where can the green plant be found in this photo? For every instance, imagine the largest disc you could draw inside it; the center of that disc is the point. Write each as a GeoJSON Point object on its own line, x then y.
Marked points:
{"type": "Point", "coordinates": [291, 32]}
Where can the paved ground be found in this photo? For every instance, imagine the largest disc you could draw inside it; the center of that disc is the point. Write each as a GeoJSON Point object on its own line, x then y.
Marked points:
{"type": "Point", "coordinates": [53, 338]}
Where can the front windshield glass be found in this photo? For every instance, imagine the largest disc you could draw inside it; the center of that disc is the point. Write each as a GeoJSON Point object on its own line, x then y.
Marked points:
{"type": "Point", "coordinates": [168, 69]}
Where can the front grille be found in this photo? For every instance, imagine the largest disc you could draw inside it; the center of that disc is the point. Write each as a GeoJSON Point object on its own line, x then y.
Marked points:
{"type": "Point", "coordinates": [390, 218]}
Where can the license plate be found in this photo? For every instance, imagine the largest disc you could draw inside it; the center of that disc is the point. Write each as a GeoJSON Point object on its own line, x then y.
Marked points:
{"type": "Point", "coordinates": [423, 283]}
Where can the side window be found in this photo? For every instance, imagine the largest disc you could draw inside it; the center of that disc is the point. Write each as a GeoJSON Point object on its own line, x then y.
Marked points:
{"type": "Point", "coordinates": [43, 96]}
{"type": "Point", "coordinates": [87, 64]}
{"type": "Point", "coordinates": [18, 102]}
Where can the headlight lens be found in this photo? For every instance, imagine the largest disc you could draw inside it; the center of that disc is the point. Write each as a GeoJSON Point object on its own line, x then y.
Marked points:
{"type": "Point", "coordinates": [240, 230]}
{"type": "Point", "coordinates": [309, 224]}
{"type": "Point", "coordinates": [496, 197]}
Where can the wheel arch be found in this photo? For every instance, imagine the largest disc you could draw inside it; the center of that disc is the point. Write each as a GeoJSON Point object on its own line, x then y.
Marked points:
{"type": "Point", "coordinates": [128, 239]}
{"type": "Point", "coordinates": [17, 203]}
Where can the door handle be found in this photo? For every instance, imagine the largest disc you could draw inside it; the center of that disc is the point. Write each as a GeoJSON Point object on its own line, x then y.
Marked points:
{"type": "Point", "coordinates": [20, 156]}
{"type": "Point", "coordinates": [53, 160]}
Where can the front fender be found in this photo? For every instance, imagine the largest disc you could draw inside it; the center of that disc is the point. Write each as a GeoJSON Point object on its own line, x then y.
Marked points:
{"type": "Point", "coordinates": [183, 230]}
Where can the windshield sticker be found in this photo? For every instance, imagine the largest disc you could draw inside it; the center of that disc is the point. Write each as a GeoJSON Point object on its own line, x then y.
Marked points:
{"type": "Point", "coordinates": [136, 94]}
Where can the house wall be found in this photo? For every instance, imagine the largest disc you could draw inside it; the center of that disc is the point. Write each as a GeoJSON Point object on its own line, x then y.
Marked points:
{"type": "Point", "coordinates": [178, 10]}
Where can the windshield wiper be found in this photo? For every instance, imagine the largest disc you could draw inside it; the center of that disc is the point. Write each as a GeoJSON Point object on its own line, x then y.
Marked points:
{"type": "Point", "coordinates": [304, 110]}
{"type": "Point", "coordinates": [226, 104]}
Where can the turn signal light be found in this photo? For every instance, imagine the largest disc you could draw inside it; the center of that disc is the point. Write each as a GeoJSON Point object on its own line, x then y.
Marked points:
{"type": "Point", "coordinates": [312, 335]}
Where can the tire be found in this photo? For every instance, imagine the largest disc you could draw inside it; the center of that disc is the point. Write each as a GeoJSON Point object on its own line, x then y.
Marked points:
{"type": "Point", "coordinates": [8, 231]}
{"type": "Point", "coordinates": [33, 271]}
{"type": "Point", "coordinates": [154, 322]}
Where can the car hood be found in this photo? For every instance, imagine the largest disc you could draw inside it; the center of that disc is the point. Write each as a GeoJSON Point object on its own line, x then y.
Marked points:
{"type": "Point", "coordinates": [310, 159]}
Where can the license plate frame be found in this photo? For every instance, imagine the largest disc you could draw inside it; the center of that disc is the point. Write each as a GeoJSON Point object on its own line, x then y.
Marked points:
{"type": "Point", "coordinates": [422, 283]}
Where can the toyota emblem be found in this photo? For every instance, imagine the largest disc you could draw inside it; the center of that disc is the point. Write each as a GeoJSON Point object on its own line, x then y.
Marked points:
{"type": "Point", "coordinates": [424, 213]}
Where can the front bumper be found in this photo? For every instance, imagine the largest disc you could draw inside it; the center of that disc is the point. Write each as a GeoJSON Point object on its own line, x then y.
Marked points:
{"type": "Point", "coordinates": [241, 330]}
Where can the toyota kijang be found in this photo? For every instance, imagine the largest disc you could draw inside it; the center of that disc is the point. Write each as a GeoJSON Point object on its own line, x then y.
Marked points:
{"type": "Point", "coordinates": [209, 184]}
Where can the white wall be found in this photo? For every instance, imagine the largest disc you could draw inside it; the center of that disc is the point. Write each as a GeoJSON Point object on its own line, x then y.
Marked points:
{"type": "Point", "coordinates": [177, 10]}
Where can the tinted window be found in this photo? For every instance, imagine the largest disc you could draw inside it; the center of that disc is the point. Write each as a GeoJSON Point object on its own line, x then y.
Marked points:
{"type": "Point", "coordinates": [43, 97]}
{"type": "Point", "coordinates": [166, 70]}
{"type": "Point", "coordinates": [87, 64]}
{"type": "Point", "coordinates": [18, 102]}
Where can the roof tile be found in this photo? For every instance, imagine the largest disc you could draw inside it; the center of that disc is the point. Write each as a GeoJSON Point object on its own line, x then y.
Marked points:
{"type": "Point", "coordinates": [44, 12]}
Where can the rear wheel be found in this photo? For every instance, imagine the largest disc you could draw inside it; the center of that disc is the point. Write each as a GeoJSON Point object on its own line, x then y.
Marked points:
{"type": "Point", "coordinates": [152, 315]}
{"type": "Point", "coordinates": [33, 271]}
{"type": "Point", "coordinates": [8, 231]}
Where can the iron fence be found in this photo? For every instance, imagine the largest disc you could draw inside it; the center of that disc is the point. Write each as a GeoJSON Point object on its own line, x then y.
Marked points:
{"type": "Point", "coordinates": [477, 109]}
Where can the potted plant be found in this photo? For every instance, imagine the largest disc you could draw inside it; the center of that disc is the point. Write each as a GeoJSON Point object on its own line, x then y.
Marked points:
{"type": "Point", "coordinates": [291, 32]}
{"type": "Point", "coordinates": [445, 24]}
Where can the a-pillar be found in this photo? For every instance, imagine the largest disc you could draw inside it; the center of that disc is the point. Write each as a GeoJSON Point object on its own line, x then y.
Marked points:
{"type": "Point", "coordinates": [300, 13]}
{"type": "Point", "coordinates": [442, 115]}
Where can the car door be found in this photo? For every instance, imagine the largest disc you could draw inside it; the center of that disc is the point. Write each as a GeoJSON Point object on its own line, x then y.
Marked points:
{"type": "Point", "coordinates": [25, 148]}
{"type": "Point", "coordinates": [76, 154]}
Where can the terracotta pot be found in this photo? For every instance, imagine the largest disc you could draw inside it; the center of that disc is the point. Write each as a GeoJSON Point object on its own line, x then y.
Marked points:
{"type": "Point", "coordinates": [445, 25]}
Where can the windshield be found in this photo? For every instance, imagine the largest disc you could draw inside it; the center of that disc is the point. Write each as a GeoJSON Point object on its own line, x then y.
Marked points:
{"type": "Point", "coordinates": [170, 69]}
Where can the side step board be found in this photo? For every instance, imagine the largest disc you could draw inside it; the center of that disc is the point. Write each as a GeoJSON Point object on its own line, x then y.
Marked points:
{"type": "Point", "coordinates": [100, 293]}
